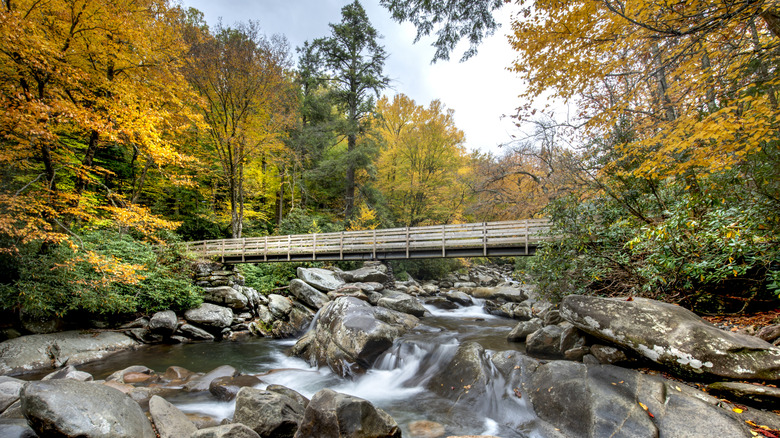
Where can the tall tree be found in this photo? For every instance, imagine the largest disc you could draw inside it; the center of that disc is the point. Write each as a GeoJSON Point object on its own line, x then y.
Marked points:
{"type": "Point", "coordinates": [354, 59]}
{"type": "Point", "coordinates": [248, 101]}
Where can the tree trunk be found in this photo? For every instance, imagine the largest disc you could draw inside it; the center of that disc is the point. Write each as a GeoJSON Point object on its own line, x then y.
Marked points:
{"type": "Point", "coordinates": [89, 157]}
{"type": "Point", "coordinates": [349, 200]}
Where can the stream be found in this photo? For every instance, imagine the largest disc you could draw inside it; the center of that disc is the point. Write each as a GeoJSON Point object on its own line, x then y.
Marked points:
{"type": "Point", "coordinates": [396, 383]}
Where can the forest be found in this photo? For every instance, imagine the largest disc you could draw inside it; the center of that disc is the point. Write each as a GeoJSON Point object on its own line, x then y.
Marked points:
{"type": "Point", "coordinates": [131, 125]}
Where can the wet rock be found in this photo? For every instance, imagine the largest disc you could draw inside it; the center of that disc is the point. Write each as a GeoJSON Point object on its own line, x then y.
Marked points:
{"type": "Point", "coordinates": [226, 388]}
{"type": "Point", "coordinates": [425, 429]}
{"type": "Point", "coordinates": [321, 279]}
{"type": "Point", "coordinates": [225, 296]}
{"type": "Point", "coordinates": [163, 323]}
{"type": "Point", "coordinates": [545, 341]}
{"type": "Point", "coordinates": [69, 372]}
{"type": "Point", "coordinates": [210, 316]}
{"type": "Point", "coordinates": [16, 428]}
{"type": "Point", "coordinates": [195, 333]}
{"type": "Point", "coordinates": [334, 415]}
{"type": "Point", "coordinates": [10, 389]}
{"type": "Point", "coordinates": [202, 383]}
{"type": "Point", "coordinates": [40, 352]}
{"type": "Point", "coordinates": [407, 304]}
{"type": "Point", "coordinates": [503, 293]}
{"type": "Point", "coordinates": [270, 414]}
{"type": "Point", "coordinates": [523, 329]}
{"type": "Point", "coordinates": [279, 306]}
{"type": "Point", "coordinates": [169, 420]}
{"type": "Point", "coordinates": [459, 297]}
{"type": "Point", "coordinates": [119, 376]}
{"type": "Point", "coordinates": [226, 431]}
{"type": "Point", "coordinates": [350, 334]}
{"type": "Point", "coordinates": [674, 337]}
{"type": "Point", "coordinates": [308, 295]}
{"type": "Point", "coordinates": [466, 377]}
{"type": "Point", "coordinates": [71, 409]}
{"type": "Point", "coordinates": [138, 378]}
{"type": "Point", "coordinates": [441, 303]}
{"type": "Point", "coordinates": [755, 395]}
{"type": "Point", "coordinates": [608, 355]}
{"type": "Point", "coordinates": [177, 373]}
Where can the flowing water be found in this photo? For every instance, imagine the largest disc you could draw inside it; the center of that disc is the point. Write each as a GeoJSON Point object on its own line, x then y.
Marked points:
{"type": "Point", "coordinates": [396, 383]}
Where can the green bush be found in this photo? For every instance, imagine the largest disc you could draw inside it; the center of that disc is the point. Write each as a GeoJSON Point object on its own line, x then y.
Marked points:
{"type": "Point", "coordinates": [425, 269]}
{"type": "Point", "coordinates": [57, 280]}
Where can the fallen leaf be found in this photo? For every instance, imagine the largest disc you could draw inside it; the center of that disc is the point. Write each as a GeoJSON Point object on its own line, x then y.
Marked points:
{"type": "Point", "coordinates": [517, 393]}
{"type": "Point", "coordinates": [737, 410]}
{"type": "Point", "coordinates": [643, 405]}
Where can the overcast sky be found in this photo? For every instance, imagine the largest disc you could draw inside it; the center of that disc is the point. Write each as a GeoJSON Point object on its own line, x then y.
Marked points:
{"type": "Point", "coordinates": [480, 90]}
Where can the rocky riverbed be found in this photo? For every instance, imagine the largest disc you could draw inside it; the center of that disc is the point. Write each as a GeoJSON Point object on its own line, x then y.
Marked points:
{"type": "Point", "coordinates": [382, 358]}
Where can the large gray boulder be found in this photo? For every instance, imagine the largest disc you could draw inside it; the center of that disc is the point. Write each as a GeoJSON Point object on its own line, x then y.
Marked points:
{"type": "Point", "coordinates": [169, 420]}
{"type": "Point", "coordinates": [270, 414]}
{"type": "Point", "coordinates": [307, 294]}
{"type": "Point", "coordinates": [321, 279]}
{"type": "Point", "coordinates": [163, 323]}
{"type": "Point", "coordinates": [10, 389]}
{"type": "Point", "coordinates": [406, 304]}
{"type": "Point", "coordinates": [225, 296]}
{"type": "Point", "coordinates": [545, 342]}
{"type": "Point", "coordinates": [226, 431]}
{"type": "Point", "coordinates": [279, 306]}
{"type": "Point", "coordinates": [69, 408]}
{"type": "Point", "coordinates": [15, 428]}
{"type": "Point", "coordinates": [203, 382]}
{"type": "Point", "coordinates": [334, 415]}
{"type": "Point", "coordinates": [210, 316]}
{"type": "Point", "coordinates": [376, 274]}
{"type": "Point", "coordinates": [674, 337]}
{"type": "Point", "coordinates": [502, 293]}
{"type": "Point", "coordinates": [40, 352]}
{"type": "Point", "coordinates": [350, 334]}
{"type": "Point", "coordinates": [226, 388]}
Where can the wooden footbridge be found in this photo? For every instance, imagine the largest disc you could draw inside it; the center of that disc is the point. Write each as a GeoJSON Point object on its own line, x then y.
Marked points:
{"type": "Point", "coordinates": [486, 239]}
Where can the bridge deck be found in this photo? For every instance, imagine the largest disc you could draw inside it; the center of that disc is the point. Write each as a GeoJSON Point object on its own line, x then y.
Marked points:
{"type": "Point", "coordinates": [509, 238]}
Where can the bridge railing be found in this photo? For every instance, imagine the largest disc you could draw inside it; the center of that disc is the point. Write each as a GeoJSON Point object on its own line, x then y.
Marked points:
{"type": "Point", "coordinates": [409, 239]}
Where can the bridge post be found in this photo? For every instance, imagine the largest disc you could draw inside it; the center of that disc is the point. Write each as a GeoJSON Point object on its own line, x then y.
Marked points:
{"type": "Point", "coordinates": [341, 246]}
{"type": "Point", "coordinates": [484, 239]}
{"type": "Point", "coordinates": [265, 250]}
{"type": "Point", "coordinates": [407, 241]}
{"type": "Point", "coordinates": [289, 244]}
{"type": "Point", "coordinates": [526, 236]}
{"type": "Point", "coordinates": [443, 241]}
{"type": "Point", "coordinates": [243, 249]}
{"type": "Point", "coordinates": [314, 247]}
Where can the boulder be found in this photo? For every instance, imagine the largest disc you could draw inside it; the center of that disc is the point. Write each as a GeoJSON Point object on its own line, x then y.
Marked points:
{"type": "Point", "coordinates": [226, 431]}
{"type": "Point", "coordinates": [164, 322]}
{"type": "Point", "coordinates": [523, 329]}
{"type": "Point", "coordinates": [16, 428]}
{"type": "Point", "coordinates": [426, 429]}
{"type": "Point", "coordinates": [203, 382]}
{"type": "Point", "coordinates": [293, 394]}
{"type": "Point", "coordinates": [458, 297]}
{"type": "Point", "coordinates": [70, 408]}
{"type": "Point", "coordinates": [466, 379]}
{"type": "Point", "coordinates": [10, 389]}
{"type": "Point", "coordinates": [195, 333]}
{"type": "Point", "coordinates": [307, 294]}
{"type": "Point", "coordinates": [321, 279]}
{"type": "Point", "coordinates": [69, 372]}
{"type": "Point", "coordinates": [40, 352]}
{"type": "Point", "coordinates": [502, 293]}
{"type": "Point", "coordinates": [769, 333]}
{"type": "Point", "coordinates": [334, 415]}
{"type": "Point", "coordinates": [119, 376]}
{"type": "Point", "coordinates": [440, 303]}
{"type": "Point", "coordinates": [226, 388]}
{"type": "Point", "coordinates": [348, 291]}
{"type": "Point", "coordinates": [270, 414]}
{"type": "Point", "coordinates": [225, 296]}
{"type": "Point", "coordinates": [210, 316]}
{"type": "Point", "coordinates": [350, 334]}
{"type": "Point", "coordinates": [169, 420]}
{"type": "Point", "coordinates": [407, 304]}
{"type": "Point", "coordinates": [279, 306]}
{"type": "Point", "coordinates": [755, 395]}
{"type": "Point", "coordinates": [607, 354]}
{"type": "Point", "coordinates": [375, 274]}
{"type": "Point", "coordinates": [673, 337]}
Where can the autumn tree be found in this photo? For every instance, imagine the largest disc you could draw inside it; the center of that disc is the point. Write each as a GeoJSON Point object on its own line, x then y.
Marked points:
{"type": "Point", "coordinates": [354, 60]}
{"type": "Point", "coordinates": [247, 101]}
{"type": "Point", "coordinates": [422, 162]}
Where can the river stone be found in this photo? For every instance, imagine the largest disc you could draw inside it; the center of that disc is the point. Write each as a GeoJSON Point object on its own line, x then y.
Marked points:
{"type": "Point", "coordinates": [10, 389]}
{"type": "Point", "coordinates": [350, 334]}
{"type": "Point", "coordinates": [754, 395]}
{"type": "Point", "coordinates": [441, 303]}
{"type": "Point", "coordinates": [366, 274]}
{"type": "Point", "coordinates": [270, 414]}
{"type": "Point", "coordinates": [458, 297]}
{"type": "Point", "coordinates": [225, 388]}
{"type": "Point", "coordinates": [503, 293]}
{"type": "Point", "coordinates": [119, 376]}
{"type": "Point", "coordinates": [226, 431]}
{"type": "Point", "coordinates": [169, 420]}
{"type": "Point", "coordinates": [307, 294]}
{"type": "Point", "coordinates": [769, 333]}
{"type": "Point", "coordinates": [195, 333]}
{"type": "Point", "coordinates": [465, 379]}
{"type": "Point", "coordinates": [70, 408]}
{"type": "Point", "coordinates": [202, 383]}
{"type": "Point", "coordinates": [16, 428]}
{"type": "Point", "coordinates": [523, 329]}
{"type": "Point", "coordinates": [607, 354]}
{"type": "Point", "coordinates": [321, 279]}
{"type": "Point", "coordinates": [293, 394]}
{"type": "Point", "coordinates": [279, 306]}
{"type": "Point", "coordinates": [69, 372]}
{"type": "Point", "coordinates": [425, 429]}
{"type": "Point", "coordinates": [406, 304]}
{"type": "Point", "coordinates": [210, 316]}
{"type": "Point", "coordinates": [40, 352]}
{"type": "Point", "coordinates": [177, 373]}
{"type": "Point", "coordinates": [334, 415]}
{"type": "Point", "coordinates": [225, 296]}
{"type": "Point", "coordinates": [674, 337]}
{"type": "Point", "coordinates": [163, 322]}
{"type": "Point", "coordinates": [348, 290]}
{"type": "Point", "coordinates": [545, 341]}
{"type": "Point", "coordinates": [571, 338]}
